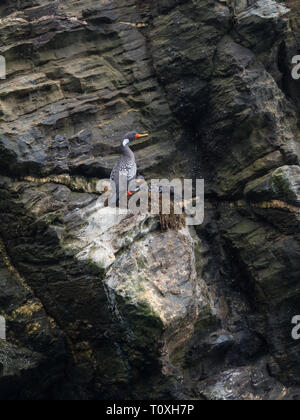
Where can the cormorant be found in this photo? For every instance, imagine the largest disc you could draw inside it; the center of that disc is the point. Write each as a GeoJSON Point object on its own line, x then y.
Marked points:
{"type": "Point", "coordinates": [126, 165]}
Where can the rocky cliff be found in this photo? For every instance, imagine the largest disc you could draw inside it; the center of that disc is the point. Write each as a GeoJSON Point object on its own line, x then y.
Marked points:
{"type": "Point", "coordinates": [110, 306]}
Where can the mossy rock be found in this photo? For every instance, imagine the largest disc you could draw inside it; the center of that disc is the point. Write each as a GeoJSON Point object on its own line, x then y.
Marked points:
{"type": "Point", "coordinates": [283, 184]}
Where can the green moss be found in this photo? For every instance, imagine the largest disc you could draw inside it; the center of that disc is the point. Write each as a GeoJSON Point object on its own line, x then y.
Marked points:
{"type": "Point", "coordinates": [281, 186]}
{"type": "Point", "coordinates": [141, 262]}
{"type": "Point", "coordinates": [143, 321]}
{"type": "Point", "coordinates": [52, 218]}
{"type": "Point", "coordinates": [95, 269]}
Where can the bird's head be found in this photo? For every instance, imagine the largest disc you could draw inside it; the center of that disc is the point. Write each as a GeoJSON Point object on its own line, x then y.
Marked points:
{"type": "Point", "coordinates": [130, 137]}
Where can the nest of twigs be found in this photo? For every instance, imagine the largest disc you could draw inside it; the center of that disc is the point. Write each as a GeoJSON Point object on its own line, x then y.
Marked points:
{"type": "Point", "coordinates": [169, 221]}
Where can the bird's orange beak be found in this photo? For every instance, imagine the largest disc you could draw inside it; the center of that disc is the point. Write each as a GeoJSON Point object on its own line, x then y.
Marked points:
{"type": "Point", "coordinates": [139, 136]}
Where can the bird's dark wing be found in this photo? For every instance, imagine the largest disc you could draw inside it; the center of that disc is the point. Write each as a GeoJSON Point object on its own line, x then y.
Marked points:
{"type": "Point", "coordinates": [123, 165]}
{"type": "Point", "coordinates": [131, 171]}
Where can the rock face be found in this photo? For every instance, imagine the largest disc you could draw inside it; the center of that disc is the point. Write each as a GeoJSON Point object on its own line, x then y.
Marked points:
{"type": "Point", "coordinates": [125, 295]}
{"type": "Point", "coordinates": [105, 305]}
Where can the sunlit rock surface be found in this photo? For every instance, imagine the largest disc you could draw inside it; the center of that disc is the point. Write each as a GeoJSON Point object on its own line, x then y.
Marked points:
{"type": "Point", "coordinates": [110, 281]}
{"type": "Point", "coordinates": [100, 305]}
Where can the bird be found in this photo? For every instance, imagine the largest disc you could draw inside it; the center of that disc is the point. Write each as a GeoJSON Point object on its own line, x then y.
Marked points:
{"type": "Point", "coordinates": [126, 165]}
